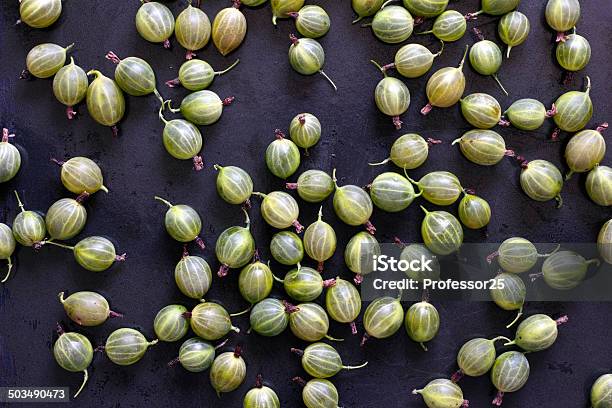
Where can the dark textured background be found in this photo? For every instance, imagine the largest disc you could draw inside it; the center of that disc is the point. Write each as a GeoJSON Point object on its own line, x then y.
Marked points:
{"type": "Point", "coordinates": [268, 94]}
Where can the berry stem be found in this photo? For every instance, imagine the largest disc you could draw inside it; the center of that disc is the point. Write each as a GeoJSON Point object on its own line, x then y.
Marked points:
{"type": "Point", "coordinates": [299, 381]}
{"type": "Point", "coordinates": [223, 271]}
{"type": "Point", "coordinates": [70, 112]}
{"type": "Point", "coordinates": [121, 258]}
{"type": "Point", "coordinates": [85, 378]}
{"type": "Point", "coordinates": [19, 203]}
{"type": "Point", "coordinates": [228, 101]}
{"type": "Point", "coordinates": [173, 362]}
{"type": "Point", "coordinates": [561, 320]}
{"type": "Point", "coordinates": [173, 83]}
{"type": "Point", "coordinates": [358, 279]}
{"type": "Point", "coordinates": [353, 328]}
{"type": "Point", "coordinates": [355, 367]}
{"type": "Point", "coordinates": [112, 57]}
{"type": "Point", "coordinates": [291, 186]}
{"type": "Point", "coordinates": [516, 319]}
{"type": "Point", "coordinates": [298, 352]}
{"type": "Point", "coordinates": [380, 68]}
{"type": "Point", "coordinates": [198, 163]}
{"type": "Point", "coordinates": [457, 376]}
{"type": "Point", "coordinates": [387, 160]}
{"type": "Point", "coordinates": [114, 314]}
{"type": "Point", "coordinates": [166, 43]}
{"type": "Point", "coordinates": [189, 55]}
{"type": "Point", "coordinates": [168, 203]}
{"type": "Point", "coordinates": [228, 68]}
{"type": "Point", "coordinates": [328, 79]}
{"type": "Point", "coordinates": [498, 399]}
{"type": "Point", "coordinates": [426, 109]}
{"type": "Point", "coordinates": [397, 122]}
{"type": "Point", "coordinates": [298, 227]}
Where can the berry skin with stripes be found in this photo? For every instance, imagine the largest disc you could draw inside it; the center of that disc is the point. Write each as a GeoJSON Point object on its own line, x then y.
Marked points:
{"type": "Point", "coordinates": [422, 322]}
{"type": "Point", "coordinates": [182, 139]}
{"type": "Point", "coordinates": [195, 355]}
{"type": "Point", "coordinates": [383, 318]}
{"type": "Point", "coordinates": [598, 186]}
{"type": "Point", "coordinates": [284, 8]}
{"type": "Point", "coordinates": [287, 248]}
{"type": "Point", "coordinates": [565, 270]}
{"type": "Point", "coordinates": [320, 240]}
{"type": "Point", "coordinates": [313, 186]}
{"type": "Point", "coordinates": [343, 302]}
{"type": "Point", "coordinates": [202, 107]}
{"type": "Point", "coordinates": [417, 252]}
{"type": "Point", "coordinates": [585, 150]}
{"type": "Point", "coordinates": [10, 158]}
{"type": "Point", "coordinates": [486, 58]}
{"type": "Point", "coordinates": [513, 29]}
{"type": "Point", "coordinates": [318, 393]}
{"type": "Point", "coordinates": [44, 60]}
{"type": "Point", "coordinates": [509, 293]}
{"type": "Point", "coordinates": [445, 87]}
{"type": "Point", "coordinates": [155, 23]}
{"type": "Point", "coordinates": [81, 175]}
{"type": "Point", "coordinates": [359, 252]}
{"type": "Point", "coordinates": [229, 28]}
{"type": "Point", "coordinates": [441, 231]}
{"type": "Point", "coordinates": [320, 360]}
{"type": "Point", "coordinates": [193, 276]}
{"type": "Point", "coordinates": [105, 101]}
{"type": "Point", "coordinates": [305, 130]}
{"type": "Point", "coordinates": [253, 3]}
{"type": "Point", "coordinates": [481, 110]}
{"type": "Point", "coordinates": [70, 86]}
{"type": "Point", "coordinates": [65, 219]}
{"type": "Point", "coordinates": [7, 247]}
{"type": "Point", "coordinates": [601, 392]}
{"type": "Point", "coordinates": [269, 317]}
{"type": "Point", "coordinates": [413, 60]}
{"type": "Point", "coordinates": [234, 185]}
{"type": "Point", "coordinates": [542, 181]}
{"type": "Point", "coordinates": [93, 253]}
{"type": "Point", "coordinates": [439, 187]}
{"type": "Point", "coordinates": [527, 114]}
{"type": "Point", "coordinates": [392, 24]}
{"type": "Point", "coordinates": [311, 21]}
{"type": "Point", "coordinates": [87, 308]}
{"type": "Point", "coordinates": [449, 26]}
{"type": "Point", "coordinates": [574, 53]}
{"type": "Point", "coordinates": [604, 242]}
{"type": "Point", "coordinates": [73, 352]}
{"type": "Point", "coordinates": [255, 281]}
{"type": "Point", "coordinates": [476, 357]}
{"type": "Point", "coordinates": [309, 322]}
{"type": "Point", "coordinates": [474, 211]}
{"type": "Point", "coordinates": [127, 346]}
{"type": "Point", "coordinates": [228, 371]}
{"type": "Point", "coordinates": [307, 57]}
{"type": "Point", "coordinates": [496, 7]}
{"type": "Point", "coordinates": [134, 76]}
{"type": "Point", "coordinates": [235, 247]}
{"type": "Point", "coordinates": [408, 152]}
{"type": "Point", "coordinates": [197, 75]}
{"type": "Point", "coordinates": [537, 332]}
{"type": "Point", "coordinates": [192, 29]}
{"type": "Point", "coordinates": [517, 255]}
{"type": "Point", "coordinates": [392, 192]}
{"type": "Point", "coordinates": [182, 223]}
{"type": "Point", "coordinates": [392, 97]}
{"type": "Point", "coordinates": [426, 8]}
{"type": "Point", "coordinates": [260, 396]}
{"type": "Point", "coordinates": [365, 8]}
{"type": "Point", "coordinates": [280, 210]}
{"type": "Point", "coordinates": [303, 284]}
{"type": "Point", "coordinates": [170, 324]}
{"type": "Point", "coordinates": [442, 393]}
{"type": "Point", "coordinates": [210, 321]}
{"type": "Point", "coordinates": [282, 156]}
{"type": "Point", "coordinates": [482, 146]}
{"type": "Point", "coordinates": [509, 374]}
{"type": "Point", "coordinates": [574, 109]}
{"type": "Point", "coordinates": [29, 227]}
{"type": "Point", "coordinates": [39, 13]}
{"type": "Point", "coordinates": [562, 16]}
{"type": "Point", "coordinates": [353, 205]}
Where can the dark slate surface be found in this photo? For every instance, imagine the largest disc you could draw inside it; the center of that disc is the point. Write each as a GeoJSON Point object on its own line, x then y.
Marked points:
{"type": "Point", "coordinates": [268, 94]}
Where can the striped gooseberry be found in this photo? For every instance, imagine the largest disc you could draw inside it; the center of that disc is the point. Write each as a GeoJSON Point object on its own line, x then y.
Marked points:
{"type": "Point", "coordinates": [412, 252]}
{"type": "Point", "coordinates": [343, 302]}
{"type": "Point", "coordinates": [562, 16]}
{"type": "Point", "coordinates": [318, 393]}
{"type": "Point", "coordinates": [127, 346]}
{"type": "Point", "coordinates": [601, 392]}
{"type": "Point", "coordinates": [234, 185]}
{"type": "Point", "coordinates": [235, 247]}
{"type": "Point", "coordinates": [476, 357]}
{"type": "Point", "coordinates": [313, 186]}
{"type": "Point", "coordinates": [309, 322]}
{"type": "Point", "coordinates": [574, 110]}
{"type": "Point", "coordinates": [441, 231]}
{"type": "Point", "coordinates": [307, 56]}
{"type": "Point", "coordinates": [439, 187]}
{"type": "Point", "coordinates": [197, 75]}
{"type": "Point", "coordinates": [321, 360]}
{"type": "Point", "coordinates": [182, 139]}
{"type": "Point", "coordinates": [7, 247]}
{"type": "Point", "coordinates": [192, 29]}
{"type": "Point", "coordinates": [392, 97]}
{"type": "Point", "coordinates": [483, 146]}
{"type": "Point", "coordinates": [474, 211]}
{"type": "Point", "coordinates": [280, 210]}
{"type": "Point", "coordinates": [496, 7]}
{"type": "Point", "coordinates": [282, 8]}
{"type": "Point", "coordinates": [509, 293]}
{"type": "Point", "coordinates": [253, 3]}
{"type": "Point", "coordinates": [93, 253]}
{"type": "Point", "coordinates": [134, 76]}
{"type": "Point", "coordinates": [517, 255]}
{"type": "Point", "coordinates": [542, 181]}
{"type": "Point", "coordinates": [202, 107]}
{"type": "Point", "coordinates": [442, 393]}
{"type": "Point", "coordinates": [392, 24]}
{"type": "Point", "coordinates": [73, 352]}
{"type": "Point", "coordinates": [304, 284]}
{"type": "Point", "coordinates": [210, 321]}
{"type": "Point", "coordinates": [282, 156]}
{"type": "Point", "coordinates": [170, 323]}
{"type": "Point", "coordinates": [537, 332]}
{"type": "Point", "coordinates": [409, 151]}
{"type": "Point", "coordinates": [10, 158]}
{"type": "Point", "coordinates": [269, 317]}
{"type": "Point", "coordinates": [255, 281]}
{"type": "Point", "coordinates": [564, 270]}
{"type": "Point", "coordinates": [311, 21]}
{"type": "Point", "coordinates": [182, 222]}
{"type": "Point", "coordinates": [193, 276]}
{"type": "Point", "coordinates": [260, 396]}
{"type": "Point", "coordinates": [155, 22]}
{"type": "Point", "coordinates": [105, 101]}
{"type": "Point", "coordinates": [70, 86]}
{"type": "Point", "coordinates": [81, 175]}
{"type": "Point", "coordinates": [585, 150]}
{"type": "Point", "coordinates": [305, 130]}
{"type": "Point", "coordinates": [44, 60]}
{"type": "Point", "coordinates": [486, 58]}
{"type": "Point", "coordinates": [509, 374]}
{"type": "Point", "coordinates": [229, 28]}
{"type": "Point", "coordinates": [598, 186]}
{"type": "Point", "coordinates": [604, 242]}
{"type": "Point", "coordinates": [413, 60]}
{"type": "Point", "coordinates": [29, 227]}
{"type": "Point", "coordinates": [425, 8]}
{"type": "Point", "coordinates": [353, 205]}
{"type": "Point", "coordinates": [422, 322]}
{"type": "Point", "coordinates": [574, 53]}
{"type": "Point", "coordinates": [228, 371]}
{"type": "Point", "coordinates": [513, 29]}
{"type": "Point", "coordinates": [392, 192]}
{"type": "Point", "coordinates": [358, 253]}
{"type": "Point", "coordinates": [365, 8]}
{"type": "Point", "coordinates": [87, 308]}
{"type": "Point", "coordinates": [320, 240]}
{"type": "Point", "coordinates": [528, 114]}
{"type": "Point", "coordinates": [66, 218]}
{"type": "Point", "coordinates": [195, 355]}
{"type": "Point", "coordinates": [39, 13]}
{"type": "Point", "coordinates": [481, 110]}
{"type": "Point", "coordinates": [449, 26]}
{"type": "Point", "coordinates": [445, 87]}
{"type": "Point", "coordinates": [287, 248]}
{"type": "Point", "coordinates": [383, 318]}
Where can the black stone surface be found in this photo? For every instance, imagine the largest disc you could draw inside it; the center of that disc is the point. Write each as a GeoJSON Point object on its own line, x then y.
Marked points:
{"type": "Point", "coordinates": [268, 94]}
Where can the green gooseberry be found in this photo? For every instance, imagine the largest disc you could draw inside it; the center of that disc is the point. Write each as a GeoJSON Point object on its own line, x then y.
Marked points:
{"type": "Point", "coordinates": [353, 205]}
{"type": "Point", "coordinates": [87, 308]}
{"type": "Point", "coordinates": [517, 255]}
{"type": "Point", "coordinates": [192, 29]}
{"type": "Point", "coordinates": [601, 392]}
{"type": "Point", "coordinates": [94, 253]}
{"type": "Point", "coordinates": [229, 28]}
{"type": "Point", "coordinates": [304, 284]}
{"type": "Point", "coordinates": [269, 317]}
{"type": "Point", "coordinates": [255, 281]}
{"type": "Point", "coordinates": [253, 3]}
{"type": "Point", "coordinates": [155, 22]}
{"type": "Point", "coordinates": [426, 8]}
{"type": "Point", "coordinates": [409, 151]}
{"type": "Point", "coordinates": [321, 360]}
{"type": "Point", "coordinates": [584, 150]}
{"type": "Point", "coordinates": [260, 396]}
{"type": "Point", "coordinates": [287, 248]}
{"type": "Point", "coordinates": [210, 321]}
{"type": "Point", "coordinates": [282, 156]}
{"type": "Point", "coordinates": [318, 393]}
{"type": "Point", "coordinates": [313, 186]}
{"type": "Point", "coordinates": [170, 323]}
{"type": "Point", "coordinates": [359, 252]}
{"type": "Point", "coordinates": [422, 322]}
{"type": "Point", "coordinates": [365, 8]}
{"type": "Point", "coordinates": [311, 21]}
{"type": "Point", "coordinates": [509, 374]}
{"type": "Point", "coordinates": [564, 270]}
{"type": "Point", "coordinates": [527, 114]}
{"type": "Point", "coordinates": [44, 60]}
{"type": "Point", "coordinates": [598, 186]}
{"type": "Point", "coordinates": [509, 293]}
{"type": "Point", "coordinates": [235, 247]}
{"type": "Point", "coordinates": [202, 107]}
{"type": "Point", "coordinates": [496, 7]}
{"type": "Point", "coordinates": [486, 59]}
{"type": "Point", "coordinates": [474, 212]}
{"type": "Point", "coordinates": [307, 56]}
{"type": "Point", "coordinates": [604, 242]}
{"type": "Point", "coordinates": [445, 87]}
{"type": "Point", "coordinates": [182, 139]}
{"type": "Point", "coordinates": [81, 175]}
{"type": "Point", "coordinates": [182, 223]}
{"type": "Point", "coordinates": [383, 318]}
{"type": "Point", "coordinates": [484, 147]}
{"type": "Point", "coordinates": [70, 86]}
{"type": "Point", "coordinates": [542, 181]}
{"type": "Point", "coordinates": [574, 110]}
{"type": "Point", "coordinates": [127, 346]}
{"type": "Point", "coordinates": [320, 240]}
{"type": "Point", "coordinates": [134, 76]}
{"type": "Point", "coordinates": [228, 371]}
{"type": "Point", "coordinates": [309, 322]}
{"type": "Point", "coordinates": [234, 185]}
{"type": "Point", "coordinates": [439, 187]}
{"type": "Point", "coordinates": [562, 15]}
{"type": "Point", "coordinates": [193, 276]}
{"type": "Point", "coordinates": [449, 26]}
{"type": "Point", "coordinates": [343, 302]}
{"type": "Point", "coordinates": [442, 393]}
{"type": "Point", "coordinates": [574, 53]}
{"type": "Point", "coordinates": [280, 210]}
{"type": "Point", "coordinates": [73, 352]}
{"type": "Point", "coordinates": [305, 128]}
{"type": "Point", "coordinates": [441, 232]}
{"type": "Point", "coordinates": [39, 13]}
{"type": "Point", "coordinates": [537, 332]}
{"type": "Point", "coordinates": [392, 24]}
{"type": "Point", "coordinates": [392, 97]}
{"type": "Point", "coordinates": [195, 355]}
{"type": "Point", "coordinates": [513, 29]}
{"type": "Point", "coordinates": [420, 253]}
{"type": "Point", "coordinates": [66, 218]}
{"type": "Point", "coordinates": [392, 192]}
{"type": "Point", "coordinates": [413, 60]}
{"type": "Point", "coordinates": [105, 101]}
{"type": "Point", "coordinates": [196, 75]}
{"type": "Point", "coordinates": [29, 227]}
{"type": "Point", "coordinates": [476, 357]}
{"type": "Point", "coordinates": [10, 158]}
{"type": "Point", "coordinates": [282, 8]}
{"type": "Point", "coordinates": [481, 110]}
